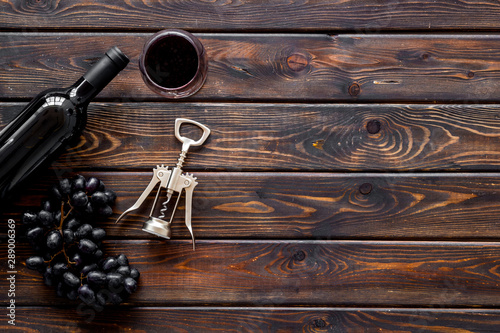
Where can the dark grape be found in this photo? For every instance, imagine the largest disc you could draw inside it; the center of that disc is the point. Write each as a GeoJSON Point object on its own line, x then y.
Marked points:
{"type": "Point", "coordinates": [98, 234]}
{"type": "Point", "coordinates": [88, 209]}
{"type": "Point", "coordinates": [92, 185]}
{"type": "Point", "coordinates": [65, 186]}
{"type": "Point", "coordinates": [83, 231]}
{"type": "Point", "coordinates": [87, 246]}
{"type": "Point", "coordinates": [55, 194]}
{"type": "Point", "coordinates": [61, 289]}
{"type": "Point", "coordinates": [30, 218]}
{"type": "Point", "coordinates": [101, 297]}
{"type": "Point", "coordinates": [71, 280]}
{"type": "Point", "coordinates": [35, 234]}
{"type": "Point", "coordinates": [59, 268]}
{"type": "Point", "coordinates": [79, 199]}
{"type": "Point", "coordinates": [46, 218]}
{"type": "Point", "coordinates": [57, 216]}
{"type": "Point", "coordinates": [115, 281]}
{"type": "Point", "coordinates": [115, 299]}
{"type": "Point", "coordinates": [101, 186]}
{"type": "Point", "coordinates": [109, 264]}
{"type": "Point", "coordinates": [130, 285]}
{"type": "Point", "coordinates": [35, 262]}
{"type": "Point", "coordinates": [86, 269]}
{"type": "Point", "coordinates": [123, 270]}
{"type": "Point", "coordinates": [105, 211]}
{"type": "Point", "coordinates": [79, 183]}
{"type": "Point", "coordinates": [48, 277]}
{"type": "Point", "coordinates": [134, 274]}
{"type": "Point", "coordinates": [99, 199]}
{"type": "Point", "coordinates": [122, 260]}
{"type": "Point", "coordinates": [111, 196]}
{"type": "Point", "coordinates": [77, 259]}
{"type": "Point", "coordinates": [72, 294]}
{"type": "Point", "coordinates": [98, 254]}
{"type": "Point", "coordinates": [68, 236]}
{"type": "Point", "coordinates": [98, 278]}
{"type": "Point", "coordinates": [73, 224]}
{"type": "Point", "coordinates": [48, 206]}
{"type": "Point", "coordinates": [86, 294]}
{"type": "Point", "coordinates": [54, 240]}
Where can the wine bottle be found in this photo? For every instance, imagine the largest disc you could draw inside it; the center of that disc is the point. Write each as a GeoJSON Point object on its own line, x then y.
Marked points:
{"type": "Point", "coordinates": [51, 122]}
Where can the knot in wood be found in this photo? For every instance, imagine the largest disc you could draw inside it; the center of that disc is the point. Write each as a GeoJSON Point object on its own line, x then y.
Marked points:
{"type": "Point", "coordinates": [297, 62]}
{"type": "Point", "coordinates": [320, 323]}
{"type": "Point", "coordinates": [299, 255]}
{"type": "Point", "coordinates": [373, 126]}
{"type": "Point", "coordinates": [365, 188]}
{"type": "Point", "coordinates": [41, 5]}
{"type": "Point", "coordinates": [354, 89]}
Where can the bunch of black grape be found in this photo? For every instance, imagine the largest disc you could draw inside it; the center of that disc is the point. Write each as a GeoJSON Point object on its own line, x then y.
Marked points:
{"type": "Point", "coordinates": [68, 246]}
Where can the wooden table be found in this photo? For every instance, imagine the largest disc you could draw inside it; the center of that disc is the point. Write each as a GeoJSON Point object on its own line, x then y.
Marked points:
{"type": "Point", "coordinates": [350, 183]}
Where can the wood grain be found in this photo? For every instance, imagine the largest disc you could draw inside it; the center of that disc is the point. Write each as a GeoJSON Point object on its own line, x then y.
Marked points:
{"type": "Point", "coordinates": [251, 15]}
{"type": "Point", "coordinates": [288, 273]}
{"type": "Point", "coordinates": [298, 206]}
{"type": "Point", "coordinates": [208, 319]}
{"type": "Point", "coordinates": [289, 137]}
{"type": "Point", "coordinates": [318, 210]}
{"type": "Point", "coordinates": [274, 67]}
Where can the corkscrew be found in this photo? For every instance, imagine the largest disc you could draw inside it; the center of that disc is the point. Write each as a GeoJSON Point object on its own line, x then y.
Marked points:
{"type": "Point", "coordinates": [173, 181]}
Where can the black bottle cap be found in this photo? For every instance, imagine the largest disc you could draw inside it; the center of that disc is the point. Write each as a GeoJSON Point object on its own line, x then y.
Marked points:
{"type": "Point", "coordinates": [118, 57]}
{"type": "Point", "coordinates": [106, 68]}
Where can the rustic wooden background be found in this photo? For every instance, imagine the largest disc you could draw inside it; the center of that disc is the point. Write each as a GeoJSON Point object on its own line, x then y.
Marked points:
{"type": "Point", "coordinates": [351, 182]}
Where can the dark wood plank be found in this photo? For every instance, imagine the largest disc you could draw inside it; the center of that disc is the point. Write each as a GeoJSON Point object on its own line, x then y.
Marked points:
{"type": "Point", "coordinates": [322, 15]}
{"type": "Point", "coordinates": [316, 206]}
{"type": "Point", "coordinates": [207, 319]}
{"type": "Point", "coordinates": [275, 250]}
{"type": "Point", "coordinates": [287, 273]}
{"type": "Point", "coordinates": [289, 137]}
{"type": "Point", "coordinates": [300, 67]}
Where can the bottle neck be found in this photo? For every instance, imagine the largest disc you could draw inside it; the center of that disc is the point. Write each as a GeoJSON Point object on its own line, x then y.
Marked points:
{"type": "Point", "coordinates": [98, 76]}
{"type": "Point", "coordinates": [82, 92]}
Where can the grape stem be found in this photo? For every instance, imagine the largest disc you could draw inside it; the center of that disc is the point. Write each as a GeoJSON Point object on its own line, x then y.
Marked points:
{"type": "Point", "coordinates": [64, 217]}
{"type": "Point", "coordinates": [67, 258]}
{"type": "Point", "coordinates": [63, 251]}
{"type": "Point", "coordinates": [59, 228]}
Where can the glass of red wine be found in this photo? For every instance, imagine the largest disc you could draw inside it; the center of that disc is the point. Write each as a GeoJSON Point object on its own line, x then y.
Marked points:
{"type": "Point", "coordinates": [173, 63]}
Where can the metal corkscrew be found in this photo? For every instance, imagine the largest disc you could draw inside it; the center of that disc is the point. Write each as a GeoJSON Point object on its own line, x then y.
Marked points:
{"type": "Point", "coordinates": [173, 181]}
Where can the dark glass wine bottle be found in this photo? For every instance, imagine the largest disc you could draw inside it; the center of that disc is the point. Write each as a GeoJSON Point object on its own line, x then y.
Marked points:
{"type": "Point", "coordinates": [50, 122]}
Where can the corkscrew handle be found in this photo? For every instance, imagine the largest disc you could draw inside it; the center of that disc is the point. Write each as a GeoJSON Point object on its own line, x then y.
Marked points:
{"type": "Point", "coordinates": [187, 142]}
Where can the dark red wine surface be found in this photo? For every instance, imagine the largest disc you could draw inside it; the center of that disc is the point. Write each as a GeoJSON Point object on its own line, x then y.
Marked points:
{"type": "Point", "coordinates": [171, 62]}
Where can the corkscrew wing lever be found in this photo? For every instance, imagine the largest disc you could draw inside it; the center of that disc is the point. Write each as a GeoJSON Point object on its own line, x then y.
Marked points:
{"type": "Point", "coordinates": [189, 205]}
{"type": "Point", "coordinates": [161, 175]}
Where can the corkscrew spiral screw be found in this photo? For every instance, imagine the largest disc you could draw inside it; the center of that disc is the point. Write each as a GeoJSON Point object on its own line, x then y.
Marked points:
{"type": "Point", "coordinates": [164, 209]}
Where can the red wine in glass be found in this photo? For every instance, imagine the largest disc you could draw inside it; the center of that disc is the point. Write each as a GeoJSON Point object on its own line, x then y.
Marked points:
{"type": "Point", "coordinates": [173, 63]}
